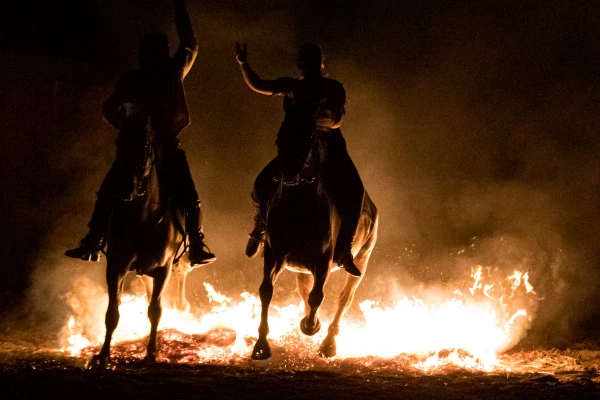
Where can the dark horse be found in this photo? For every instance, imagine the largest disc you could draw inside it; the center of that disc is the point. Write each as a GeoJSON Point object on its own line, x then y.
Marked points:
{"type": "Point", "coordinates": [302, 226]}
{"type": "Point", "coordinates": [144, 235]}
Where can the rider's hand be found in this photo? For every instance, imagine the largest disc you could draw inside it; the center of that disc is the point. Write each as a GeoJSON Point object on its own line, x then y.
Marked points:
{"type": "Point", "coordinates": [241, 54]}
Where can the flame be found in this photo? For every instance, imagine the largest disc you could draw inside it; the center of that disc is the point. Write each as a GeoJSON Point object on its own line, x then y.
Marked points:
{"type": "Point", "coordinates": [467, 331]}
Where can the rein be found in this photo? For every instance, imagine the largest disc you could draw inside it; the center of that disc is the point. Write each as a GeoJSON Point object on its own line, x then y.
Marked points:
{"type": "Point", "coordinates": [298, 178]}
{"type": "Point", "coordinates": [141, 188]}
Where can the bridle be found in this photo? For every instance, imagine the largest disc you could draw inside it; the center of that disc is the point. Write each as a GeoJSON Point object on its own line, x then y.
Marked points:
{"type": "Point", "coordinates": [142, 174]}
{"type": "Point", "coordinates": [300, 177]}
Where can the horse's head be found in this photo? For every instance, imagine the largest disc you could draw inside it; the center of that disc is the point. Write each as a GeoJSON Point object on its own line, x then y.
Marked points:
{"type": "Point", "coordinates": [138, 155]}
{"type": "Point", "coordinates": [298, 158]}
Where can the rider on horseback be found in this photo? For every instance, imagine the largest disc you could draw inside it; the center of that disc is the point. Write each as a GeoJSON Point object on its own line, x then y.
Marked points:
{"type": "Point", "coordinates": [151, 97]}
{"type": "Point", "coordinates": [314, 105]}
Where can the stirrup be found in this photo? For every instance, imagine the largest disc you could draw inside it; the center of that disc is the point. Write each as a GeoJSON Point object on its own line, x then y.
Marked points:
{"type": "Point", "coordinates": [81, 253]}
{"type": "Point", "coordinates": [198, 256]}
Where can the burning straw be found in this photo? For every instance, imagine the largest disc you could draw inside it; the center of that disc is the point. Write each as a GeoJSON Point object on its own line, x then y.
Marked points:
{"type": "Point", "coordinates": [469, 327]}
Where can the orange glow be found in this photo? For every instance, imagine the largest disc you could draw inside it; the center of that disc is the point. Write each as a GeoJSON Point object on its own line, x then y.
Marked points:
{"type": "Point", "coordinates": [466, 331]}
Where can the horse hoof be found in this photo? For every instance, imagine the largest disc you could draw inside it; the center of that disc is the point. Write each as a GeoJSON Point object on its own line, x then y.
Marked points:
{"type": "Point", "coordinates": [98, 362]}
{"type": "Point", "coordinates": [309, 330]}
{"type": "Point", "coordinates": [328, 348]}
{"type": "Point", "coordinates": [261, 350]}
{"type": "Point", "coordinates": [150, 359]}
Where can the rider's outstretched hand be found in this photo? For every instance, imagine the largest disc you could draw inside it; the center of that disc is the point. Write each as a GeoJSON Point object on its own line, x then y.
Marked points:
{"type": "Point", "coordinates": [241, 53]}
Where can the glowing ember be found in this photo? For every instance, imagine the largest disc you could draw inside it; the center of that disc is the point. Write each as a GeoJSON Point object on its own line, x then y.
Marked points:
{"type": "Point", "coordinates": [466, 331]}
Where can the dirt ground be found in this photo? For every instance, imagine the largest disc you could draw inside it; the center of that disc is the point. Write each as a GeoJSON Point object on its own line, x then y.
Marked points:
{"type": "Point", "coordinates": [192, 367]}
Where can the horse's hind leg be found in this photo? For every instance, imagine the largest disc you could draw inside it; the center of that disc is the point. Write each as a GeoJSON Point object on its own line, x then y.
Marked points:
{"type": "Point", "coordinates": [271, 270]}
{"type": "Point", "coordinates": [161, 276]}
{"type": "Point", "coordinates": [148, 285]}
{"type": "Point", "coordinates": [181, 270]}
{"type": "Point", "coordinates": [114, 282]}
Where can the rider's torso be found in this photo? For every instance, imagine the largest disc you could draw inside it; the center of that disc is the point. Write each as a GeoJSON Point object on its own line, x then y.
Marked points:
{"type": "Point", "coordinates": [309, 104]}
{"type": "Point", "coordinates": [155, 97]}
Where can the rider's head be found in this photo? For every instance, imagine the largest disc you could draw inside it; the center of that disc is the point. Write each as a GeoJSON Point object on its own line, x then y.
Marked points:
{"type": "Point", "coordinates": [154, 50]}
{"type": "Point", "coordinates": [310, 59]}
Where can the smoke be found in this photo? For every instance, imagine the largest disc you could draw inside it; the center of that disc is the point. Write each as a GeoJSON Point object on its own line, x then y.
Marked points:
{"type": "Point", "coordinates": [472, 126]}
{"type": "Point", "coordinates": [487, 134]}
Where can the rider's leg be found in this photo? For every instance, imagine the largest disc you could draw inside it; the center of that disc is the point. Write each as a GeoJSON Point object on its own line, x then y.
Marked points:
{"type": "Point", "coordinates": [347, 191]}
{"type": "Point", "coordinates": [257, 236]}
{"type": "Point", "coordinates": [185, 192]}
{"type": "Point", "coordinates": [350, 215]}
{"type": "Point", "coordinates": [91, 245]}
{"type": "Point", "coordinates": [199, 252]}
{"type": "Point", "coordinates": [264, 186]}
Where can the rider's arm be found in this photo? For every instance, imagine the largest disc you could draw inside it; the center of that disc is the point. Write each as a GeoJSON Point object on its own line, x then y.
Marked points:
{"type": "Point", "coordinates": [113, 107]}
{"type": "Point", "coordinates": [188, 46]}
{"type": "Point", "coordinates": [332, 106]}
{"type": "Point", "coordinates": [339, 104]}
{"type": "Point", "coordinates": [110, 112]}
{"type": "Point", "coordinates": [267, 87]}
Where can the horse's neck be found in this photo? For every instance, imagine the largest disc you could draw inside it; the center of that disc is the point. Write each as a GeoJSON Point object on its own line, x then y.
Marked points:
{"type": "Point", "coordinates": [307, 192]}
{"type": "Point", "coordinates": [153, 201]}
{"type": "Point", "coordinates": [311, 173]}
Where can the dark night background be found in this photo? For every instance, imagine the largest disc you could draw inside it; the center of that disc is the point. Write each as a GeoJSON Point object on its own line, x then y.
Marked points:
{"type": "Point", "coordinates": [466, 119]}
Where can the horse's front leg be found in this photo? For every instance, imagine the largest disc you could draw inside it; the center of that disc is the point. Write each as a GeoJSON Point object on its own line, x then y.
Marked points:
{"type": "Point", "coordinates": [271, 270]}
{"type": "Point", "coordinates": [310, 324]}
{"type": "Point", "coordinates": [161, 276]}
{"type": "Point", "coordinates": [114, 280]}
{"type": "Point", "coordinates": [304, 283]}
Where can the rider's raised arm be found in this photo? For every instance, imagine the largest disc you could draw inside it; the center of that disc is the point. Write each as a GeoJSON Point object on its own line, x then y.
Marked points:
{"type": "Point", "coordinates": [188, 46]}
{"type": "Point", "coordinates": [254, 82]}
{"type": "Point", "coordinates": [261, 86]}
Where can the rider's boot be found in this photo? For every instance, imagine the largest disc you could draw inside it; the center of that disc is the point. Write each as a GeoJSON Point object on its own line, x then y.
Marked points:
{"type": "Point", "coordinates": [264, 188]}
{"type": "Point", "coordinates": [345, 260]}
{"type": "Point", "coordinates": [257, 237]}
{"type": "Point", "coordinates": [350, 208]}
{"type": "Point", "coordinates": [199, 253]}
{"type": "Point", "coordinates": [343, 250]}
{"type": "Point", "coordinates": [91, 246]}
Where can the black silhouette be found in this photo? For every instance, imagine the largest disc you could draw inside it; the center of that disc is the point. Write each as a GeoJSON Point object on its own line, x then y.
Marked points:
{"type": "Point", "coordinates": [144, 235]}
{"type": "Point", "coordinates": [148, 201]}
{"type": "Point", "coordinates": [151, 97]}
{"type": "Point", "coordinates": [313, 105]}
{"type": "Point", "coordinates": [312, 209]}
